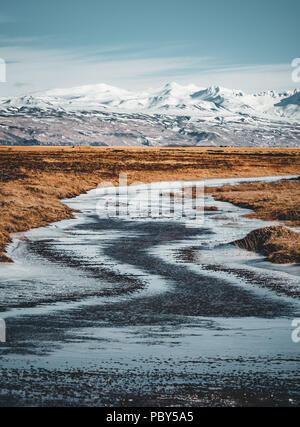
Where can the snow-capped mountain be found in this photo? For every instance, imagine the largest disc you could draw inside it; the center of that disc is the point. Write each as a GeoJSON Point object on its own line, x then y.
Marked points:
{"type": "Point", "coordinates": [171, 115]}
{"type": "Point", "coordinates": [172, 98]}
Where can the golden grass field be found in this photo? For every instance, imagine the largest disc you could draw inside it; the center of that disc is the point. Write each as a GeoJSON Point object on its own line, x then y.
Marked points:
{"type": "Point", "coordinates": [270, 201]}
{"type": "Point", "coordinates": [34, 179]}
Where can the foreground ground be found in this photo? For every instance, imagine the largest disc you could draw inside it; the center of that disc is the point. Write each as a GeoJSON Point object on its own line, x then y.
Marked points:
{"type": "Point", "coordinates": [33, 179]}
{"type": "Point", "coordinates": [147, 312]}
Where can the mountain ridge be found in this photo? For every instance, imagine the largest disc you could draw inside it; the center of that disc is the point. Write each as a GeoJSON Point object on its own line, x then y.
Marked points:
{"type": "Point", "coordinates": [171, 97]}
{"type": "Point", "coordinates": [171, 115]}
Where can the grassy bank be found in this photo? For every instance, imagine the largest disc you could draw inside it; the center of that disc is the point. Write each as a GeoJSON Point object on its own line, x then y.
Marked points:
{"type": "Point", "coordinates": [279, 244]}
{"type": "Point", "coordinates": [34, 179]}
{"type": "Point", "coordinates": [279, 201]}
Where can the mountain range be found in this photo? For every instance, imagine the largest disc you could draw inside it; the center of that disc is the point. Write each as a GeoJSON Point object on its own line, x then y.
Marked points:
{"type": "Point", "coordinates": [172, 115]}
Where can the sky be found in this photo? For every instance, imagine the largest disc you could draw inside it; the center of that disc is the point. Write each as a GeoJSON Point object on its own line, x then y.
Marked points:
{"type": "Point", "coordinates": [137, 44]}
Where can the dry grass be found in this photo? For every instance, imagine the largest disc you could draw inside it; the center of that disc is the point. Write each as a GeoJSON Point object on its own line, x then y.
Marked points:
{"type": "Point", "coordinates": [33, 179]}
{"type": "Point", "coordinates": [211, 208]}
{"type": "Point", "coordinates": [279, 244]}
{"type": "Point", "coordinates": [277, 201]}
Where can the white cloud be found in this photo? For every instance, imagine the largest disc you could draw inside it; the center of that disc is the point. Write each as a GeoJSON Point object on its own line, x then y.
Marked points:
{"type": "Point", "coordinates": [249, 78]}
{"type": "Point", "coordinates": [130, 67]}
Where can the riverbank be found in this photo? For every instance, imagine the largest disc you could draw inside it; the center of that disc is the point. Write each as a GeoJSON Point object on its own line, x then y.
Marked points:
{"type": "Point", "coordinates": [270, 201]}
{"type": "Point", "coordinates": [34, 179]}
{"type": "Point", "coordinates": [279, 244]}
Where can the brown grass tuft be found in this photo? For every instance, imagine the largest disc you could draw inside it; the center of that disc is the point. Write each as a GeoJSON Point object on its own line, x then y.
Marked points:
{"type": "Point", "coordinates": [211, 208]}
{"type": "Point", "coordinates": [279, 244]}
{"type": "Point", "coordinates": [277, 201]}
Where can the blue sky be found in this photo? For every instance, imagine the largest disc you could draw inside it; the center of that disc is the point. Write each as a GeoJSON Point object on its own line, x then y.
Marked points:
{"type": "Point", "coordinates": [137, 44]}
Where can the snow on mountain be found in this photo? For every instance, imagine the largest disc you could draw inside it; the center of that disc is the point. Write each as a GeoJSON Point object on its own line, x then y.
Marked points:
{"type": "Point", "coordinates": [290, 106]}
{"type": "Point", "coordinates": [172, 99]}
{"type": "Point", "coordinates": [171, 115]}
{"type": "Point", "coordinates": [172, 95]}
{"type": "Point", "coordinates": [87, 96]}
{"type": "Point", "coordinates": [29, 101]}
{"type": "Point", "coordinates": [290, 100]}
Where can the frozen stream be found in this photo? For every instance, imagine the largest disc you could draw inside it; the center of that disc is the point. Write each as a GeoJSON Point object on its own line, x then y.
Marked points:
{"type": "Point", "coordinates": [133, 309]}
